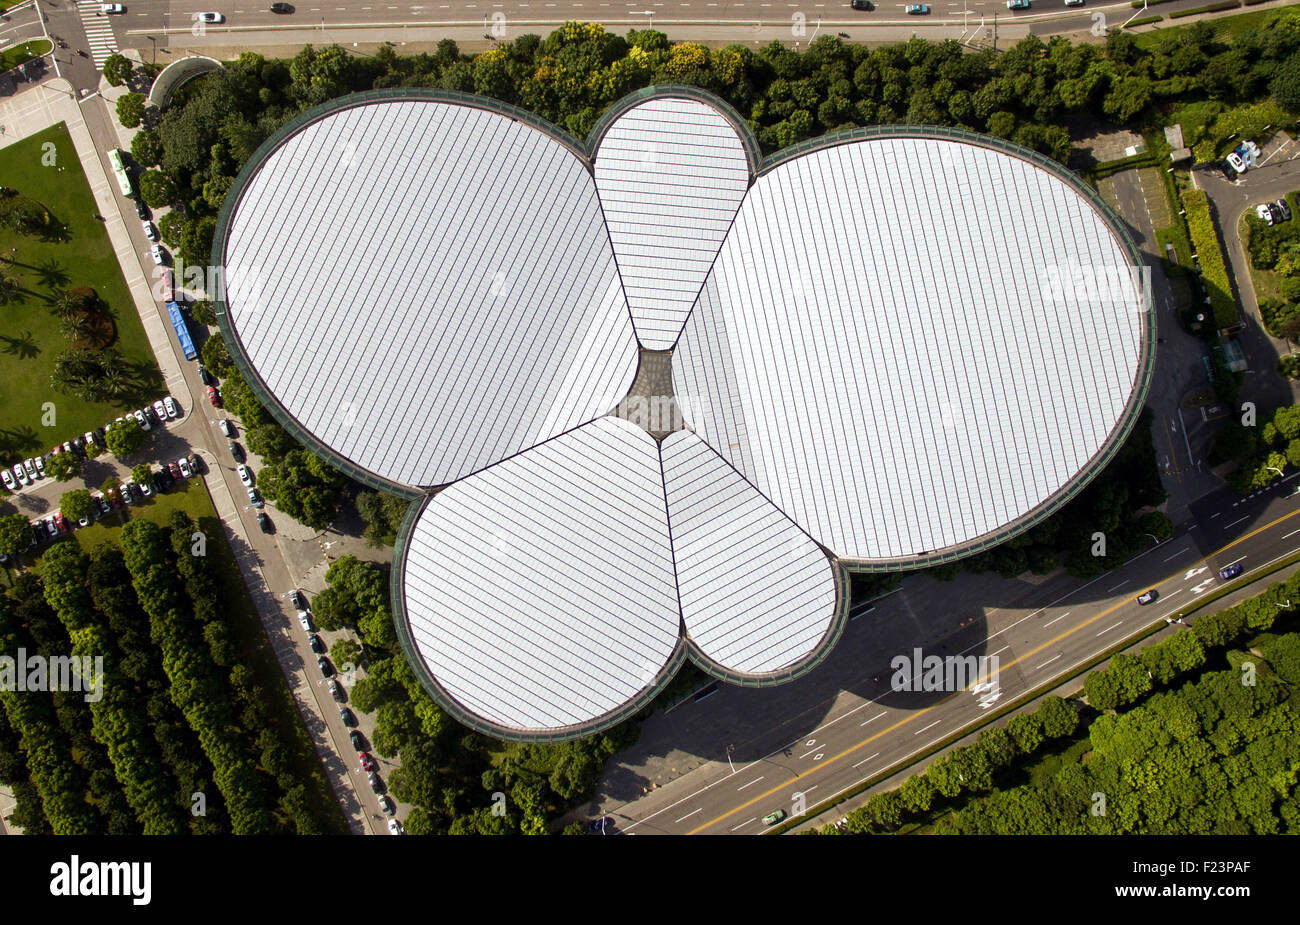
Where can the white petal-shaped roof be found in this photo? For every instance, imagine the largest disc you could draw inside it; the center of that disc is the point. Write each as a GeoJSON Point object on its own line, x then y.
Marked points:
{"type": "Point", "coordinates": [757, 593]}
{"type": "Point", "coordinates": [427, 287]}
{"type": "Point", "coordinates": [880, 348]}
{"type": "Point", "coordinates": [540, 592]}
{"type": "Point", "coordinates": [671, 174]}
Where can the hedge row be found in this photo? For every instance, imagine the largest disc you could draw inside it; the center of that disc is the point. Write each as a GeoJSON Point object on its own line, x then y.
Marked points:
{"type": "Point", "coordinates": [195, 686]}
{"type": "Point", "coordinates": [1200, 223]}
{"type": "Point", "coordinates": [1144, 21]}
{"type": "Point", "coordinates": [1212, 8]}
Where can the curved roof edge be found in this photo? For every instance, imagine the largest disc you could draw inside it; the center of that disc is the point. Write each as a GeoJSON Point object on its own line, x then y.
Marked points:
{"type": "Point", "coordinates": [1146, 361]}
{"type": "Point", "coordinates": [753, 153]}
{"type": "Point", "coordinates": [235, 194]}
{"type": "Point", "coordinates": [468, 718]}
{"type": "Point", "coordinates": [804, 665]}
{"type": "Point", "coordinates": [179, 72]}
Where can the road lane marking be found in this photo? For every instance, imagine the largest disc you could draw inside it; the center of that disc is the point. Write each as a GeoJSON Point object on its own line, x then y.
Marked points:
{"type": "Point", "coordinates": [1189, 549]}
{"type": "Point", "coordinates": [1118, 586]}
{"type": "Point", "coordinates": [1235, 522]}
{"type": "Point", "coordinates": [743, 824]}
{"type": "Point", "coordinates": [1048, 662]}
{"type": "Point", "coordinates": [874, 718]}
{"type": "Point", "coordinates": [931, 726]}
{"type": "Point", "coordinates": [866, 759]}
{"type": "Point", "coordinates": [1109, 628]}
{"type": "Point", "coordinates": [1003, 649]}
{"type": "Point", "coordinates": [1032, 652]}
{"type": "Point", "coordinates": [1061, 617]}
{"type": "Point", "coordinates": [754, 781]}
{"type": "Point", "coordinates": [691, 813]}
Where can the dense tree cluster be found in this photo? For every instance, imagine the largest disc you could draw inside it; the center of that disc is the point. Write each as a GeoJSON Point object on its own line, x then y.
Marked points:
{"type": "Point", "coordinates": [1262, 453]}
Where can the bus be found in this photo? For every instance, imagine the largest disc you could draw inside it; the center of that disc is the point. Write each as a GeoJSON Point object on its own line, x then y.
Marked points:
{"type": "Point", "coordinates": [119, 171]}
{"type": "Point", "coordinates": [182, 331]}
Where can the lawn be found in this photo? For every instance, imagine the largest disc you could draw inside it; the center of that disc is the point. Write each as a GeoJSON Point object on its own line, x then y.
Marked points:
{"type": "Point", "coordinates": [80, 254]}
{"type": "Point", "coordinates": [1226, 26]}
{"type": "Point", "coordinates": [191, 496]}
{"type": "Point", "coordinates": [22, 52]}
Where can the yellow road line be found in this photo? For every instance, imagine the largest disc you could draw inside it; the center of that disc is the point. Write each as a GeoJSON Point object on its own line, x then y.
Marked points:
{"type": "Point", "coordinates": [914, 716]}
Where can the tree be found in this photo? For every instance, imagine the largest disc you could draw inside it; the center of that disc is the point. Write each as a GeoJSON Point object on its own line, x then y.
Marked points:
{"type": "Point", "coordinates": [146, 148]}
{"type": "Point", "coordinates": [305, 487]}
{"type": "Point", "coordinates": [117, 70]}
{"type": "Point", "coordinates": [15, 534]}
{"type": "Point", "coordinates": [141, 473]}
{"type": "Point", "coordinates": [8, 288]}
{"type": "Point", "coordinates": [124, 437]}
{"type": "Point", "coordinates": [156, 189]}
{"type": "Point", "coordinates": [1285, 86]}
{"type": "Point", "coordinates": [76, 505]}
{"type": "Point", "coordinates": [130, 110]}
{"type": "Point", "coordinates": [64, 466]}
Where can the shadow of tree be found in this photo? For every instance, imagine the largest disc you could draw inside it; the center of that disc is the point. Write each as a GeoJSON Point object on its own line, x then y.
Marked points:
{"type": "Point", "coordinates": [52, 274]}
{"type": "Point", "coordinates": [24, 347]}
{"type": "Point", "coordinates": [22, 440]}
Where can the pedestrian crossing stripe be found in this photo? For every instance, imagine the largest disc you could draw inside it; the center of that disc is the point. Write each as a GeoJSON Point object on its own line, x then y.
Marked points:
{"type": "Point", "coordinates": [99, 33]}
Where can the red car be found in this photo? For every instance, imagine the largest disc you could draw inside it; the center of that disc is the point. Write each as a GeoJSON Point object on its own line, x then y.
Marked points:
{"type": "Point", "coordinates": [214, 396]}
{"type": "Point", "coordinates": [367, 763]}
{"type": "Point", "coordinates": [61, 524]}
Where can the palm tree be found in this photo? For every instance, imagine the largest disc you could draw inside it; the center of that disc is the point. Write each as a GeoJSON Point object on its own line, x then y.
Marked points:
{"type": "Point", "coordinates": [75, 327]}
{"type": "Point", "coordinates": [64, 304]}
{"type": "Point", "coordinates": [113, 382]}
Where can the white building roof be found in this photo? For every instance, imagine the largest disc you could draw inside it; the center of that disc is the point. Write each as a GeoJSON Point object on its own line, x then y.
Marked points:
{"type": "Point", "coordinates": [540, 592]}
{"type": "Point", "coordinates": [878, 351]}
{"type": "Point", "coordinates": [671, 174]}
{"type": "Point", "coordinates": [873, 367]}
{"type": "Point", "coordinates": [428, 287]}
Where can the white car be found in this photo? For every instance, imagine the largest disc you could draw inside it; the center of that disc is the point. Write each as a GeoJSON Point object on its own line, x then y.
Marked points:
{"type": "Point", "coordinates": [395, 827]}
{"type": "Point", "coordinates": [211, 17]}
{"type": "Point", "coordinates": [245, 475]}
{"type": "Point", "coordinates": [150, 231]}
{"type": "Point", "coordinates": [184, 465]}
{"type": "Point", "coordinates": [304, 620]}
{"type": "Point", "coordinates": [40, 465]}
{"type": "Point", "coordinates": [1074, 2]}
{"type": "Point", "coordinates": [1264, 212]}
{"type": "Point", "coordinates": [32, 472]}
{"type": "Point", "coordinates": [173, 410]}
{"type": "Point", "coordinates": [20, 475]}
{"type": "Point", "coordinates": [156, 253]}
{"type": "Point", "coordinates": [1235, 162]}
{"type": "Point", "coordinates": [126, 494]}
{"type": "Point", "coordinates": [109, 9]}
{"type": "Point", "coordinates": [145, 488]}
{"type": "Point", "coordinates": [143, 419]}
{"type": "Point", "coordinates": [160, 411]}
{"type": "Point", "coordinates": [226, 427]}
{"type": "Point", "coordinates": [8, 479]}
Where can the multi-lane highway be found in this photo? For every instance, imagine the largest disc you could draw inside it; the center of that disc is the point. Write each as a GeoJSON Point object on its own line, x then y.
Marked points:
{"type": "Point", "coordinates": [862, 729]}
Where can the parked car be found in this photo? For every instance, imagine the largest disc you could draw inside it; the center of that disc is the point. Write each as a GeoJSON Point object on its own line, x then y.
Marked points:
{"type": "Point", "coordinates": [205, 375]}
{"type": "Point", "coordinates": [325, 667]}
{"type": "Point", "coordinates": [174, 470]}
{"type": "Point", "coordinates": [30, 468]}
{"type": "Point", "coordinates": [1146, 597]}
{"type": "Point", "coordinates": [20, 475]}
{"type": "Point", "coordinates": [386, 805]}
{"type": "Point", "coordinates": [1231, 571]}
{"type": "Point", "coordinates": [317, 644]}
{"type": "Point", "coordinates": [1283, 208]}
{"type": "Point", "coordinates": [367, 762]}
{"type": "Point", "coordinates": [158, 255]}
{"type": "Point", "coordinates": [7, 477]}
{"type": "Point", "coordinates": [358, 740]}
{"type": "Point", "coordinates": [128, 492]}
{"type": "Point", "coordinates": [184, 465]}
{"type": "Point", "coordinates": [296, 599]}
{"type": "Point", "coordinates": [304, 620]}
{"type": "Point", "coordinates": [161, 480]}
{"type": "Point", "coordinates": [347, 716]}
{"type": "Point", "coordinates": [111, 494]}
{"type": "Point", "coordinates": [1264, 212]}
{"type": "Point", "coordinates": [336, 690]}
{"type": "Point", "coordinates": [236, 451]}
{"type": "Point", "coordinates": [214, 396]}
{"type": "Point", "coordinates": [196, 463]}
{"type": "Point", "coordinates": [143, 418]}
{"type": "Point", "coordinates": [395, 827]}
{"type": "Point", "coordinates": [61, 523]}
{"type": "Point", "coordinates": [145, 487]}
{"type": "Point", "coordinates": [227, 428]}
{"type": "Point", "coordinates": [245, 475]}
{"type": "Point", "coordinates": [173, 410]}
{"type": "Point", "coordinates": [376, 784]}
{"type": "Point", "coordinates": [1235, 162]}
{"type": "Point", "coordinates": [149, 230]}
{"type": "Point", "coordinates": [254, 498]}
{"type": "Point", "coordinates": [602, 826]}
{"type": "Point", "coordinates": [264, 522]}
{"type": "Point", "coordinates": [39, 461]}
{"type": "Point", "coordinates": [160, 411]}
{"type": "Point", "coordinates": [100, 503]}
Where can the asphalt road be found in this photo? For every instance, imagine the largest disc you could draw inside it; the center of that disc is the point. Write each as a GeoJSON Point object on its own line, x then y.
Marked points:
{"type": "Point", "coordinates": [1039, 637]}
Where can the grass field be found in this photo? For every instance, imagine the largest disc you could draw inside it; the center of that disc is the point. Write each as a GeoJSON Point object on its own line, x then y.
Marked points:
{"type": "Point", "coordinates": [191, 496]}
{"type": "Point", "coordinates": [30, 336]}
{"type": "Point", "coordinates": [23, 52]}
{"type": "Point", "coordinates": [1227, 26]}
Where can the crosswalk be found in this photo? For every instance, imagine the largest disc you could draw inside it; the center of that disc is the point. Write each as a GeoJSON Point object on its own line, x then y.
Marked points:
{"type": "Point", "coordinates": [98, 31]}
